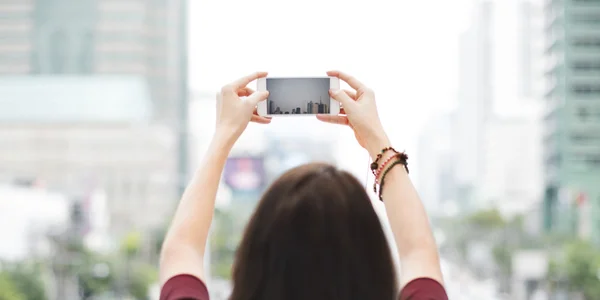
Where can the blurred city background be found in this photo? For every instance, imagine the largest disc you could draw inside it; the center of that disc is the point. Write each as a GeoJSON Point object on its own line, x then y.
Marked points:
{"type": "Point", "coordinates": [106, 107]}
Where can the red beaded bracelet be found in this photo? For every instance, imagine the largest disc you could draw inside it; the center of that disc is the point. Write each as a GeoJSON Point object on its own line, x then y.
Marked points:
{"type": "Point", "coordinates": [385, 163]}
{"type": "Point", "coordinates": [375, 163]}
{"type": "Point", "coordinates": [400, 158]}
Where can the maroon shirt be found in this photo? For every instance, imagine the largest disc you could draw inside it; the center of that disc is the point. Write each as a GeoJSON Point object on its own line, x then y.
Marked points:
{"type": "Point", "coordinates": [188, 287]}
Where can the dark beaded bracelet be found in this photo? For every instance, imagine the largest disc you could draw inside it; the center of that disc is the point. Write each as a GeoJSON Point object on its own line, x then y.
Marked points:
{"type": "Point", "coordinates": [402, 160]}
{"type": "Point", "coordinates": [375, 163]}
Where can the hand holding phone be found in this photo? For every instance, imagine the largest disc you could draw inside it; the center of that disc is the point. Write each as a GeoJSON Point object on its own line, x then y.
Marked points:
{"type": "Point", "coordinates": [298, 96]}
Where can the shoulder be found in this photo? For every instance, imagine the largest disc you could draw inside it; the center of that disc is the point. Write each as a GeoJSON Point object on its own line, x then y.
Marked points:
{"type": "Point", "coordinates": [423, 289]}
{"type": "Point", "coordinates": [184, 287]}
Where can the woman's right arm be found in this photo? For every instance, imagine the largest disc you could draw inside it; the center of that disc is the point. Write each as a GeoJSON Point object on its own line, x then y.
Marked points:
{"type": "Point", "coordinates": [408, 220]}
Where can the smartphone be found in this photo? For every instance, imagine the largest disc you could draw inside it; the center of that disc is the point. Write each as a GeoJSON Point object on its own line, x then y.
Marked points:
{"type": "Point", "coordinates": [298, 96]}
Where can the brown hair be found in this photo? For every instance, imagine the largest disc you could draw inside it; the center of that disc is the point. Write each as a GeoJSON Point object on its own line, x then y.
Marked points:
{"type": "Point", "coordinates": [314, 235]}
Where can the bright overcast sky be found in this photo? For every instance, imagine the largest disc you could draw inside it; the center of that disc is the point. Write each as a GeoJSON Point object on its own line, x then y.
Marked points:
{"type": "Point", "coordinates": [407, 51]}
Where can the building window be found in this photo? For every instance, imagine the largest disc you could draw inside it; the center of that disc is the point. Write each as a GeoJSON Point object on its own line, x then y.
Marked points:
{"type": "Point", "coordinates": [593, 160]}
{"type": "Point", "coordinates": [62, 33]}
{"type": "Point", "coordinates": [586, 65]}
{"type": "Point", "coordinates": [586, 89]}
{"type": "Point", "coordinates": [586, 18]}
{"type": "Point", "coordinates": [586, 42]}
{"type": "Point", "coordinates": [585, 137]}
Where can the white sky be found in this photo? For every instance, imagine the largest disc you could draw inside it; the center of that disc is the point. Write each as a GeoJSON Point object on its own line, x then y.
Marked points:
{"type": "Point", "coordinates": [407, 51]}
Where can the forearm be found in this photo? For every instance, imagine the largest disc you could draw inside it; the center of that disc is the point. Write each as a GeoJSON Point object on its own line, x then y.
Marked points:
{"type": "Point", "coordinates": [408, 220]}
{"type": "Point", "coordinates": [407, 216]}
{"type": "Point", "coordinates": [191, 223]}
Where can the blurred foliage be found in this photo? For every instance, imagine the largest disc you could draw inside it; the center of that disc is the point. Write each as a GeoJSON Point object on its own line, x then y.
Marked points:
{"type": "Point", "coordinates": [503, 258]}
{"type": "Point", "coordinates": [96, 275]}
{"type": "Point", "coordinates": [8, 288]}
{"type": "Point", "coordinates": [581, 265]}
{"type": "Point", "coordinates": [22, 280]}
{"type": "Point", "coordinates": [226, 234]}
{"type": "Point", "coordinates": [117, 275]}
{"type": "Point", "coordinates": [142, 276]}
{"type": "Point", "coordinates": [486, 219]}
{"type": "Point", "coordinates": [131, 244]}
{"type": "Point", "coordinates": [134, 272]}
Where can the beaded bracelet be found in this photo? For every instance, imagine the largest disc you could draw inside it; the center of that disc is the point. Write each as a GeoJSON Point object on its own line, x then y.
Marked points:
{"type": "Point", "coordinates": [381, 168]}
{"type": "Point", "coordinates": [375, 163]}
{"type": "Point", "coordinates": [402, 160]}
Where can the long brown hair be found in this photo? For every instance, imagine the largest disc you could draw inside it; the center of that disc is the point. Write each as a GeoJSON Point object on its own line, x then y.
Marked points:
{"type": "Point", "coordinates": [314, 235]}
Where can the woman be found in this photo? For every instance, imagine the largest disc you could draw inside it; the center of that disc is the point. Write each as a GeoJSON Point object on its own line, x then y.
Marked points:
{"type": "Point", "coordinates": [314, 234]}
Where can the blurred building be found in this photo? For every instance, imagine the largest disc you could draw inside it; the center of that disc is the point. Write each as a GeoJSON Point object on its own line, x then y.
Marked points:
{"type": "Point", "coordinates": [531, 43]}
{"type": "Point", "coordinates": [437, 174]}
{"type": "Point", "coordinates": [97, 37]}
{"type": "Point", "coordinates": [82, 134]}
{"type": "Point", "coordinates": [451, 147]}
{"type": "Point", "coordinates": [572, 118]}
{"type": "Point", "coordinates": [146, 39]}
{"type": "Point", "coordinates": [512, 177]}
{"type": "Point", "coordinates": [475, 98]}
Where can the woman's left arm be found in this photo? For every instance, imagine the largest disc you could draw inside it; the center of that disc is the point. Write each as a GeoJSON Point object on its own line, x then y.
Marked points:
{"type": "Point", "coordinates": [184, 246]}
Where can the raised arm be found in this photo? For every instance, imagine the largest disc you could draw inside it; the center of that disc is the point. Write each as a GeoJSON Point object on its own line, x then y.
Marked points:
{"type": "Point", "coordinates": [184, 246]}
{"type": "Point", "coordinates": [409, 222]}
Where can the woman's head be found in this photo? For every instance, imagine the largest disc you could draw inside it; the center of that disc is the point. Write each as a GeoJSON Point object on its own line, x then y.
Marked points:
{"type": "Point", "coordinates": [314, 235]}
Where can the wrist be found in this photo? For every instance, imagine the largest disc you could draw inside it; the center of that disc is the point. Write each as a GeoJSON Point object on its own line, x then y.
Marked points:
{"type": "Point", "coordinates": [224, 138]}
{"type": "Point", "coordinates": [377, 143]}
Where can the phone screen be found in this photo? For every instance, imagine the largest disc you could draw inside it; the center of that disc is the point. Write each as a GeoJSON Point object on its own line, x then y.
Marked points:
{"type": "Point", "coordinates": [296, 96]}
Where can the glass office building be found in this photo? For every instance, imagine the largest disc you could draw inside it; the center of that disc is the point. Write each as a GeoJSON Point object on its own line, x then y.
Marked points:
{"type": "Point", "coordinates": [572, 118]}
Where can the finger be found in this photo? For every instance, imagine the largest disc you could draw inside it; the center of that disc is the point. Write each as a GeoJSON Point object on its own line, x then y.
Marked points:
{"type": "Point", "coordinates": [341, 120]}
{"type": "Point", "coordinates": [342, 111]}
{"type": "Point", "coordinates": [352, 94]}
{"type": "Point", "coordinates": [351, 81]}
{"type": "Point", "coordinates": [342, 97]}
{"type": "Point", "coordinates": [257, 97]}
{"type": "Point", "coordinates": [245, 92]}
{"type": "Point", "coordinates": [244, 81]}
{"type": "Point", "coordinates": [260, 120]}
{"type": "Point", "coordinates": [255, 112]}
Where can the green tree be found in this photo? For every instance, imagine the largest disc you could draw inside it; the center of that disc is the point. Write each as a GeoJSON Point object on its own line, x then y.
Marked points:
{"type": "Point", "coordinates": [8, 289]}
{"type": "Point", "coordinates": [487, 219]}
{"type": "Point", "coordinates": [226, 234]}
{"type": "Point", "coordinates": [142, 276]}
{"type": "Point", "coordinates": [96, 275]}
{"type": "Point", "coordinates": [131, 244]}
{"type": "Point", "coordinates": [581, 265]}
{"type": "Point", "coordinates": [27, 280]}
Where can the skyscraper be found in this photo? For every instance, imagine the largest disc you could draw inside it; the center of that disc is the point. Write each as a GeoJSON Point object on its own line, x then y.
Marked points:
{"type": "Point", "coordinates": [315, 108]}
{"type": "Point", "coordinates": [145, 38]}
{"type": "Point", "coordinates": [105, 38]}
{"type": "Point", "coordinates": [474, 99]}
{"type": "Point", "coordinates": [572, 120]}
{"type": "Point", "coordinates": [531, 43]}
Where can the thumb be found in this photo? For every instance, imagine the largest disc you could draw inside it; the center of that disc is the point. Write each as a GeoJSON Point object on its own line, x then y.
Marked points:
{"type": "Point", "coordinates": [257, 97]}
{"type": "Point", "coordinates": [342, 97]}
